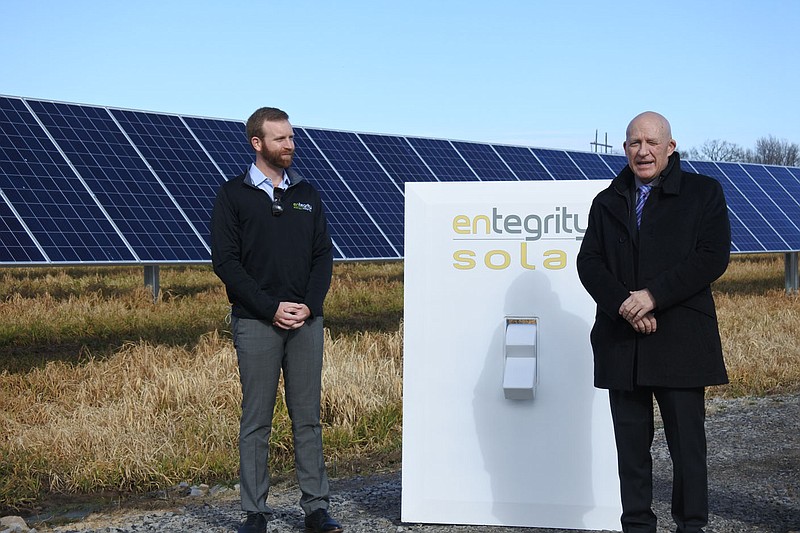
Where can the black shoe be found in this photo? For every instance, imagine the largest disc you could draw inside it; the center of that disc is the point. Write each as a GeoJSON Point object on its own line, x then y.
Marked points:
{"type": "Point", "coordinates": [321, 522]}
{"type": "Point", "coordinates": [255, 523]}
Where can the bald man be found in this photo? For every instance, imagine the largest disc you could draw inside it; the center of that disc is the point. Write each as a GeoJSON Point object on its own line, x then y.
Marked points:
{"type": "Point", "coordinates": [656, 239]}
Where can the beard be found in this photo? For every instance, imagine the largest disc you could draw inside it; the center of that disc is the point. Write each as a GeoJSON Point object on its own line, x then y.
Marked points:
{"type": "Point", "coordinates": [277, 158]}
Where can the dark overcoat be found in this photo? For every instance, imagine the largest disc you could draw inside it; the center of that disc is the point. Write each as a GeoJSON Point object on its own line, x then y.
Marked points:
{"type": "Point", "coordinates": [683, 245]}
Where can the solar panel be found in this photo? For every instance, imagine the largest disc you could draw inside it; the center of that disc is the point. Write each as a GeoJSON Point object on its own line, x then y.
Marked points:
{"type": "Point", "coordinates": [786, 181]}
{"type": "Point", "coordinates": [354, 233]}
{"type": "Point", "coordinates": [225, 141]}
{"type": "Point", "coordinates": [51, 200]}
{"type": "Point", "coordinates": [794, 172]}
{"type": "Point", "coordinates": [592, 165]}
{"type": "Point", "coordinates": [776, 218]}
{"type": "Point", "coordinates": [615, 162]}
{"type": "Point", "coordinates": [442, 159]}
{"type": "Point", "coordinates": [742, 239]}
{"type": "Point", "coordinates": [522, 162]}
{"type": "Point", "coordinates": [397, 156]}
{"type": "Point", "coordinates": [485, 161]}
{"type": "Point", "coordinates": [89, 184]}
{"type": "Point", "coordinates": [370, 183]}
{"type": "Point", "coordinates": [558, 164]}
{"type": "Point", "coordinates": [16, 246]}
{"type": "Point", "coordinates": [179, 161]}
{"type": "Point", "coordinates": [128, 191]}
{"type": "Point", "coordinates": [765, 236]}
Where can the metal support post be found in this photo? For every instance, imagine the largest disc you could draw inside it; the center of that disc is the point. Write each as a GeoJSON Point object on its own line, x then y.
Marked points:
{"type": "Point", "coordinates": [151, 279]}
{"type": "Point", "coordinates": [792, 279]}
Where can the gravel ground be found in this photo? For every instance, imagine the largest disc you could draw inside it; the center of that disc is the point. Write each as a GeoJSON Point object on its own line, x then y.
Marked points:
{"type": "Point", "coordinates": [754, 480]}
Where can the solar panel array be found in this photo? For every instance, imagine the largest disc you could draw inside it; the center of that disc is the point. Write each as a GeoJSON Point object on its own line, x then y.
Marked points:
{"type": "Point", "coordinates": [89, 184]}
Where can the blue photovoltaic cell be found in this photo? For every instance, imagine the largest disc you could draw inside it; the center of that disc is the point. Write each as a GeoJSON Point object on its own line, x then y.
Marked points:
{"type": "Point", "coordinates": [179, 162]}
{"type": "Point", "coordinates": [742, 239]}
{"type": "Point", "coordinates": [397, 156]}
{"type": "Point", "coordinates": [592, 165]}
{"type": "Point", "coordinates": [51, 200]}
{"type": "Point", "coordinates": [759, 196]}
{"type": "Point", "coordinates": [559, 164]}
{"type": "Point", "coordinates": [764, 235]}
{"type": "Point", "coordinates": [225, 141]}
{"type": "Point", "coordinates": [787, 182]}
{"type": "Point", "coordinates": [794, 171]}
{"type": "Point", "coordinates": [484, 161]}
{"type": "Point", "coordinates": [615, 162]}
{"type": "Point", "coordinates": [16, 246]}
{"type": "Point", "coordinates": [365, 177]}
{"type": "Point", "coordinates": [442, 159]}
{"type": "Point", "coordinates": [134, 199]}
{"type": "Point", "coordinates": [353, 232]}
{"type": "Point", "coordinates": [522, 161]}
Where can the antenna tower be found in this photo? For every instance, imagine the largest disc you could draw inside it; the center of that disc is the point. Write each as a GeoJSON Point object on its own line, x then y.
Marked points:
{"type": "Point", "coordinates": [597, 145]}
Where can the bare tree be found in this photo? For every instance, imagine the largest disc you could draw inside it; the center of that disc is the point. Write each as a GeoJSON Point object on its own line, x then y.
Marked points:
{"type": "Point", "coordinates": [716, 150]}
{"type": "Point", "coordinates": [773, 151]}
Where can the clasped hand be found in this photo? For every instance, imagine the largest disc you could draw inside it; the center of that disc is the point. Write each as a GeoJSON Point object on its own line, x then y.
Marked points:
{"type": "Point", "coordinates": [637, 309]}
{"type": "Point", "coordinates": [291, 315]}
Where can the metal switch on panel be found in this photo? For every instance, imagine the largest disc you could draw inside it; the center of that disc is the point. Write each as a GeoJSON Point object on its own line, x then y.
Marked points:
{"type": "Point", "coordinates": [519, 370]}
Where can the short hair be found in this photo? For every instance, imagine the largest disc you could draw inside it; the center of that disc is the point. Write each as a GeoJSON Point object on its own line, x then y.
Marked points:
{"type": "Point", "coordinates": [256, 121]}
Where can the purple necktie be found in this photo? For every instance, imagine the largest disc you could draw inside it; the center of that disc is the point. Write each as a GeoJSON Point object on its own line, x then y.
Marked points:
{"type": "Point", "coordinates": [641, 197]}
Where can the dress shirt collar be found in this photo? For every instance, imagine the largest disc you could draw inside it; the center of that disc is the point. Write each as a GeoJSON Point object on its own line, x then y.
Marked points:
{"type": "Point", "coordinates": [264, 183]}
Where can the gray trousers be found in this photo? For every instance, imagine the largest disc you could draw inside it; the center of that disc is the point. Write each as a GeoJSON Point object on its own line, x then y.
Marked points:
{"type": "Point", "coordinates": [263, 351]}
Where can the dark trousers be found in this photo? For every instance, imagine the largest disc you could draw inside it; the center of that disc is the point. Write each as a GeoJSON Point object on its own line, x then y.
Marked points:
{"type": "Point", "coordinates": [683, 414]}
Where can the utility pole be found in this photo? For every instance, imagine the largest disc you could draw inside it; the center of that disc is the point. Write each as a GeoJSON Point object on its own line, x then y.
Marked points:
{"type": "Point", "coordinates": [595, 145]}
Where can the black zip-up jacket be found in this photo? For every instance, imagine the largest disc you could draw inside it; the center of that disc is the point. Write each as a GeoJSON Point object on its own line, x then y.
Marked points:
{"type": "Point", "coordinates": [264, 259]}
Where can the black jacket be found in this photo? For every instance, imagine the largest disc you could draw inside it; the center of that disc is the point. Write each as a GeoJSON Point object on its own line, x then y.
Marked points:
{"type": "Point", "coordinates": [683, 246]}
{"type": "Point", "coordinates": [264, 259]}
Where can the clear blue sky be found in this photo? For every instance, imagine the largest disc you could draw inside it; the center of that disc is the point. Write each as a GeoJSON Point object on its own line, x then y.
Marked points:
{"type": "Point", "coordinates": [539, 73]}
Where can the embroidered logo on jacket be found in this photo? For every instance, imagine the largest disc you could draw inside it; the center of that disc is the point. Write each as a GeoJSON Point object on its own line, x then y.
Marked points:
{"type": "Point", "coordinates": [301, 206]}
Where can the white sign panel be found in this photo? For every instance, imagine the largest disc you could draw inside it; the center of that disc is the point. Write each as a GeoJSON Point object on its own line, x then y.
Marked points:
{"type": "Point", "coordinates": [501, 422]}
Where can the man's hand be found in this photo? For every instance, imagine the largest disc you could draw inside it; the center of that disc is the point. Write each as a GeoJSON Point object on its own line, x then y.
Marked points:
{"type": "Point", "coordinates": [645, 325]}
{"type": "Point", "coordinates": [637, 305]}
{"type": "Point", "coordinates": [291, 315]}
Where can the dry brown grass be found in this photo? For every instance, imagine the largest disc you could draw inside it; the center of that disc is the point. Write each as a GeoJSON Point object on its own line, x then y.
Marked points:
{"type": "Point", "coordinates": [157, 401]}
{"type": "Point", "coordinates": [760, 328]}
{"type": "Point", "coordinates": [151, 416]}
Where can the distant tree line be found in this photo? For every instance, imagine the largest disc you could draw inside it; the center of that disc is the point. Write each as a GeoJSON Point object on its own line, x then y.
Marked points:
{"type": "Point", "coordinates": [767, 151]}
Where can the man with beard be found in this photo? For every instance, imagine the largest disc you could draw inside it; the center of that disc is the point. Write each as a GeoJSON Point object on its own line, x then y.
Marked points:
{"type": "Point", "coordinates": [270, 247]}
